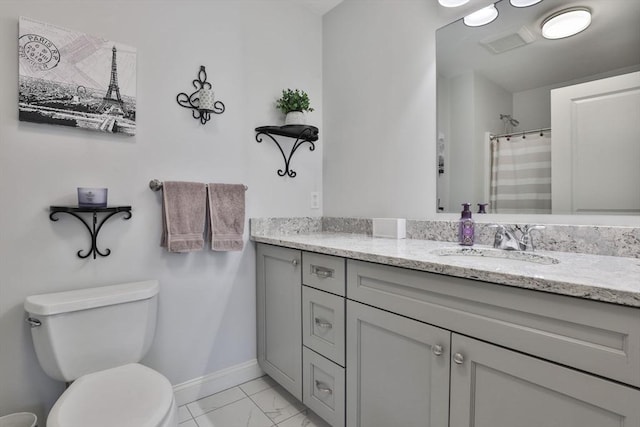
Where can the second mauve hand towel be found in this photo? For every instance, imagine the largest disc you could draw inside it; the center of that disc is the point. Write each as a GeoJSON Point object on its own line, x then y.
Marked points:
{"type": "Point", "coordinates": [226, 213]}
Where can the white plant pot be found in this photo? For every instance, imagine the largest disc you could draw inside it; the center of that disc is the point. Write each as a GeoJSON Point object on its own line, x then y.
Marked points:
{"type": "Point", "coordinates": [295, 118]}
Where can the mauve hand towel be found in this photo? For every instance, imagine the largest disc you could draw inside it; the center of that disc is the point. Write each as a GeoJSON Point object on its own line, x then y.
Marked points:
{"type": "Point", "coordinates": [226, 213]}
{"type": "Point", "coordinates": [184, 210]}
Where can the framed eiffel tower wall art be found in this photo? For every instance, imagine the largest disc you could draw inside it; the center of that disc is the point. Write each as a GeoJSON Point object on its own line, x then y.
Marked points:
{"type": "Point", "coordinates": [74, 79]}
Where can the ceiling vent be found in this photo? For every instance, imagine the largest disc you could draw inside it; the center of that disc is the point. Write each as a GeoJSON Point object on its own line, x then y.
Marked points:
{"type": "Point", "coordinates": [505, 42]}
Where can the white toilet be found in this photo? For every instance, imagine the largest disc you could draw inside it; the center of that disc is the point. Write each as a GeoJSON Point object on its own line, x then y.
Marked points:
{"type": "Point", "coordinates": [94, 337]}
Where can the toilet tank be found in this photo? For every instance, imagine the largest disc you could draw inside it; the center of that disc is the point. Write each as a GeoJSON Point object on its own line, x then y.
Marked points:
{"type": "Point", "coordinates": [88, 330]}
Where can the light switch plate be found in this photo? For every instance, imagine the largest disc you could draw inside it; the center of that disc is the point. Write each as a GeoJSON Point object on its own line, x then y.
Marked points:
{"type": "Point", "coordinates": [315, 200]}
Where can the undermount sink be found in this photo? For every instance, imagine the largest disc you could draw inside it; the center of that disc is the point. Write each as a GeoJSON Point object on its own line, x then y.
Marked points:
{"type": "Point", "coordinates": [497, 253]}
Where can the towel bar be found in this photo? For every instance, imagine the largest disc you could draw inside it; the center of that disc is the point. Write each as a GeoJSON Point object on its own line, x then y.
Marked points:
{"type": "Point", "coordinates": [156, 185]}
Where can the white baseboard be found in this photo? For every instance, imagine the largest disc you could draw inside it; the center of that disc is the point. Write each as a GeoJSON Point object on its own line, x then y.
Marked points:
{"type": "Point", "coordinates": [198, 388]}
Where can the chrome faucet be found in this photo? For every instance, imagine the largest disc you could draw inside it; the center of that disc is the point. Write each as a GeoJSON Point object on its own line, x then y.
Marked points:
{"type": "Point", "coordinates": [526, 241]}
{"type": "Point", "coordinates": [506, 237]}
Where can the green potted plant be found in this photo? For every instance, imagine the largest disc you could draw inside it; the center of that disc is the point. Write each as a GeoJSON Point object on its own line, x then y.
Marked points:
{"type": "Point", "coordinates": [294, 103]}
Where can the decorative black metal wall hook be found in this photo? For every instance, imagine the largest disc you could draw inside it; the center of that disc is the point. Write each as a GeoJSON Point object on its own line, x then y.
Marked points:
{"type": "Point", "coordinates": [201, 101]}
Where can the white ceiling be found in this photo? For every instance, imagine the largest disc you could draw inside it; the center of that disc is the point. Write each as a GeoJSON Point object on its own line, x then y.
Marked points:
{"type": "Point", "coordinates": [320, 6]}
{"type": "Point", "coordinates": [611, 42]}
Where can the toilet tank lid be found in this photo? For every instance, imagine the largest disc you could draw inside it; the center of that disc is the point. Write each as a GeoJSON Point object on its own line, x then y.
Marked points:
{"type": "Point", "coordinates": [83, 299]}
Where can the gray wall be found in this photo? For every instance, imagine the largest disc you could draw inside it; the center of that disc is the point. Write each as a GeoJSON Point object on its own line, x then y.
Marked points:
{"type": "Point", "coordinates": [379, 94]}
{"type": "Point", "coordinates": [252, 50]}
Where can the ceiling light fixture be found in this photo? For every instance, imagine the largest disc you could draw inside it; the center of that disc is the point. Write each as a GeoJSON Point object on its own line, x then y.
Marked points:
{"type": "Point", "coordinates": [481, 17]}
{"type": "Point", "coordinates": [452, 3]}
{"type": "Point", "coordinates": [523, 3]}
{"type": "Point", "coordinates": [566, 23]}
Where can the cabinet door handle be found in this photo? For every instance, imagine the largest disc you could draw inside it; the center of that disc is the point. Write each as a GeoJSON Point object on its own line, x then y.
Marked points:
{"type": "Point", "coordinates": [294, 262]}
{"type": "Point", "coordinates": [438, 350]}
{"type": "Point", "coordinates": [321, 272]}
{"type": "Point", "coordinates": [320, 323]}
{"type": "Point", "coordinates": [458, 358]}
{"type": "Point", "coordinates": [323, 387]}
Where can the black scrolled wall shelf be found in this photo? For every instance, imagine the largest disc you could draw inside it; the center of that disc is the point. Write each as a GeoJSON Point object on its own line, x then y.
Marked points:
{"type": "Point", "coordinates": [95, 227]}
{"type": "Point", "coordinates": [301, 133]}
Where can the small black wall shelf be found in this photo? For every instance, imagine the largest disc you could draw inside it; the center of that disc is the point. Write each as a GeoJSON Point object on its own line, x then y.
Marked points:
{"type": "Point", "coordinates": [302, 134]}
{"type": "Point", "coordinates": [94, 229]}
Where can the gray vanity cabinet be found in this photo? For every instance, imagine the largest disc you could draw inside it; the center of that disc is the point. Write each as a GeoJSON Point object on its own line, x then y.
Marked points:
{"type": "Point", "coordinates": [398, 370]}
{"type": "Point", "coordinates": [394, 347]}
{"type": "Point", "coordinates": [279, 315]}
{"type": "Point", "coordinates": [393, 376]}
{"type": "Point", "coordinates": [495, 387]}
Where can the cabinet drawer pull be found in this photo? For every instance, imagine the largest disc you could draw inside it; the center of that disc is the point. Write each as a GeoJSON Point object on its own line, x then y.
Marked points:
{"type": "Point", "coordinates": [294, 262]}
{"type": "Point", "coordinates": [323, 387]}
{"type": "Point", "coordinates": [437, 350]}
{"type": "Point", "coordinates": [458, 358]}
{"type": "Point", "coordinates": [321, 272]}
{"type": "Point", "coordinates": [320, 323]}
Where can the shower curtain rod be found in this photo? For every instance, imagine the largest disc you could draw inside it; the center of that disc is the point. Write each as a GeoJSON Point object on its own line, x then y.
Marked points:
{"type": "Point", "coordinates": [524, 132]}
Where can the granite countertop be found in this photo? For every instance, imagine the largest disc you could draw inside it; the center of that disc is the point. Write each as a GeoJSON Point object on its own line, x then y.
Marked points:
{"type": "Point", "coordinates": [602, 278]}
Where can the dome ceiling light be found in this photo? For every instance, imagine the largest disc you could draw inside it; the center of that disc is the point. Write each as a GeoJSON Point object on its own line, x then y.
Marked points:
{"type": "Point", "coordinates": [523, 3]}
{"type": "Point", "coordinates": [452, 3]}
{"type": "Point", "coordinates": [481, 17]}
{"type": "Point", "coordinates": [566, 23]}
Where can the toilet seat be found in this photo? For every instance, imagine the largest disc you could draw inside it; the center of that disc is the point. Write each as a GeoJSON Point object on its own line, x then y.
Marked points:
{"type": "Point", "coordinates": [126, 396]}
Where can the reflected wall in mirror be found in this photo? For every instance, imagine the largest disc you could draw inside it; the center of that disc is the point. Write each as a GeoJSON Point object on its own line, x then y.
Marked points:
{"type": "Point", "coordinates": [532, 125]}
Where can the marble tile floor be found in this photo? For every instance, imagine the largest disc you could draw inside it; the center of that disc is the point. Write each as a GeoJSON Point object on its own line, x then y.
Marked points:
{"type": "Point", "coordinates": [257, 403]}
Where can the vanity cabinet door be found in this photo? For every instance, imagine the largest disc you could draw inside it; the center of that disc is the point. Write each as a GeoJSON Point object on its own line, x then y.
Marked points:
{"type": "Point", "coordinates": [397, 370]}
{"type": "Point", "coordinates": [495, 387]}
{"type": "Point", "coordinates": [279, 291]}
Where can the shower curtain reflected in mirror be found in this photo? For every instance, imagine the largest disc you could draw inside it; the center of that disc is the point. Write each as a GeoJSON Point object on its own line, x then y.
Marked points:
{"type": "Point", "coordinates": [521, 173]}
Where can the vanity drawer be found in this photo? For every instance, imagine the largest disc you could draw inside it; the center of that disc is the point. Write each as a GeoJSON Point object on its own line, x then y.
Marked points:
{"type": "Point", "coordinates": [323, 323]}
{"type": "Point", "coordinates": [323, 387]}
{"type": "Point", "coordinates": [324, 272]}
{"type": "Point", "coordinates": [596, 337]}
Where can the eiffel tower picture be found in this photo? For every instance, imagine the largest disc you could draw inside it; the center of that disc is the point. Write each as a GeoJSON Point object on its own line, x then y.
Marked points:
{"type": "Point", "coordinates": [63, 79]}
{"type": "Point", "coordinates": [109, 102]}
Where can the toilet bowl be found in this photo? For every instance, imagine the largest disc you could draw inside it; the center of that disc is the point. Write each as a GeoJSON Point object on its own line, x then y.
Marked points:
{"type": "Point", "coordinates": [142, 396]}
{"type": "Point", "coordinates": [94, 338]}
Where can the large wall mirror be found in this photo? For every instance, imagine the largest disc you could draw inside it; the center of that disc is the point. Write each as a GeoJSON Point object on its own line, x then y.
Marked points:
{"type": "Point", "coordinates": [534, 125]}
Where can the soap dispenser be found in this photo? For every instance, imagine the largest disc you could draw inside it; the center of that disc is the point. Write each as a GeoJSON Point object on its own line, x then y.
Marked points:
{"type": "Point", "coordinates": [466, 229]}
